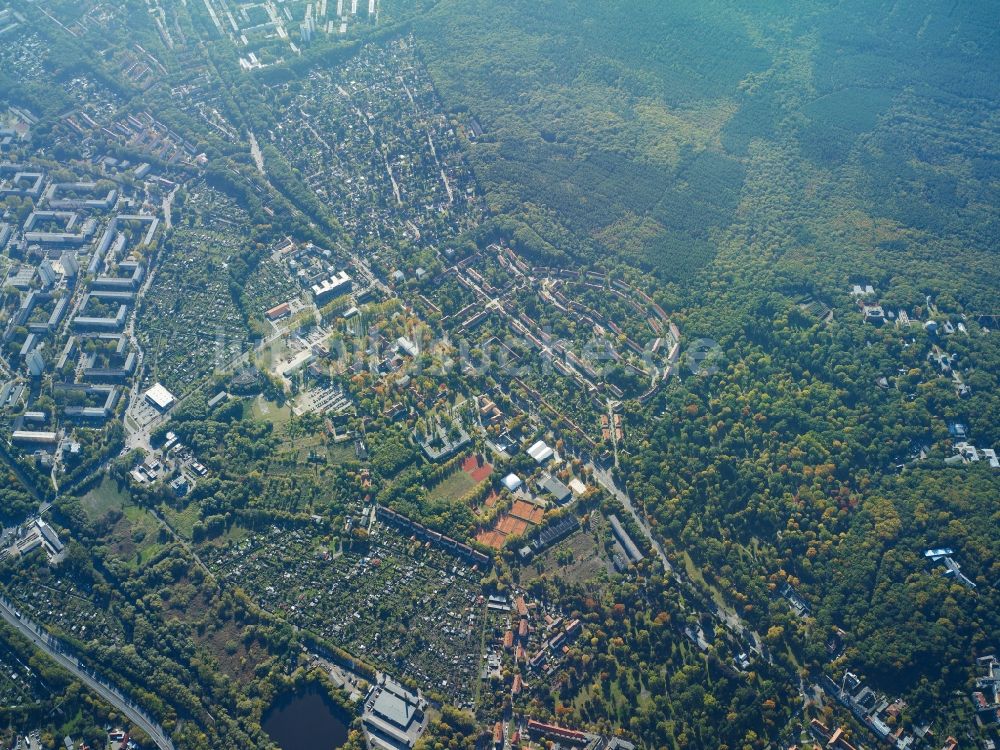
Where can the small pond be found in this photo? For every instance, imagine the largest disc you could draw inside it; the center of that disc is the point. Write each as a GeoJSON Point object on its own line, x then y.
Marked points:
{"type": "Point", "coordinates": [307, 720]}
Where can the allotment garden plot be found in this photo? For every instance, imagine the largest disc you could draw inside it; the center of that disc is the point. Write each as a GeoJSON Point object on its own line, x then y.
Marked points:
{"type": "Point", "coordinates": [65, 609]}
{"type": "Point", "coordinates": [190, 323]}
{"type": "Point", "coordinates": [19, 685]}
{"type": "Point", "coordinates": [401, 605]}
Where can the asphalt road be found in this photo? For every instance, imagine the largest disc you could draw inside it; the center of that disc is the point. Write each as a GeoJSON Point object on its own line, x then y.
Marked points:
{"type": "Point", "coordinates": [53, 648]}
{"type": "Point", "coordinates": [605, 479]}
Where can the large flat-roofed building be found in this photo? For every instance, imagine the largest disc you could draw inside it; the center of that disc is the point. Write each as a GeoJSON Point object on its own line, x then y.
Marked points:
{"type": "Point", "coordinates": [30, 342]}
{"type": "Point", "coordinates": [49, 537]}
{"type": "Point", "coordinates": [29, 544]}
{"type": "Point", "coordinates": [91, 323]}
{"type": "Point", "coordinates": [122, 296]}
{"type": "Point", "coordinates": [109, 393]}
{"type": "Point", "coordinates": [70, 264]}
{"type": "Point", "coordinates": [554, 487]}
{"type": "Point", "coordinates": [28, 303]}
{"type": "Point", "coordinates": [160, 397]}
{"type": "Point", "coordinates": [69, 221]}
{"type": "Point", "coordinates": [39, 534]}
{"type": "Point", "coordinates": [55, 191]}
{"type": "Point", "coordinates": [394, 717]}
{"type": "Point", "coordinates": [398, 707]}
{"type": "Point", "coordinates": [115, 373]}
{"type": "Point", "coordinates": [384, 735]}
{"type": "Point", "coordinates": [111, 234]}
{"type": "Point", "coordinates": [111, 283]}
{"type": "Point", "coordinates": [24, 182]}
{"type": "Point", "coordinates": [36, 363]}
{"type": "Point", "coordinates": [339, 283]}
{"type": "Point", "coordinates": [55, 318]}
{"type": "Point", "coordinates": [22, 278]}
{"type": "Point", "coordinates": [630, 548]}
{"type": "Point", "coordinates": [408, 346]}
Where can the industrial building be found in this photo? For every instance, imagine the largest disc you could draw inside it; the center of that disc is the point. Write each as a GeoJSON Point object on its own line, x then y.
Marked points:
{"type": "Point", "coordinates": [34, 437]}
{"type": "Point", "coordinates": [394, 717]}
{"type": "Point", "coordinates": [629, 547]}
{"type": "Point", "coordinates": [554, 487]}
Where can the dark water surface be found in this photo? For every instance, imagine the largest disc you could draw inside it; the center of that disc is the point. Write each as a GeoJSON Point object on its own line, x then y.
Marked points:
{"type": "Point", "coordinates": [308, 720]}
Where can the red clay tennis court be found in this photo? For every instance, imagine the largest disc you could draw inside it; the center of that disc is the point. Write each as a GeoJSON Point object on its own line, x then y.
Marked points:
{"type": "Point", "coordinates": [478, 471]}
{"type": "Point", "coordinates": [530, 513]}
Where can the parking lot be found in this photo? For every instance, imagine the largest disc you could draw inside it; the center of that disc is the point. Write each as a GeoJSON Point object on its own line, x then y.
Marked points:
{"type": "Point", "coordinates": [322, 400]}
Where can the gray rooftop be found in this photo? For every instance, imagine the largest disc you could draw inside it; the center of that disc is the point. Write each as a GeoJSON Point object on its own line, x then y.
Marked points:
{"type": "Point", "coordinates": [394, 709]}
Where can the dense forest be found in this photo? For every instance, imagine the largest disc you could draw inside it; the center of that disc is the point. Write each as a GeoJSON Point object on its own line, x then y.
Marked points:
{"type": "Point", "coordinates": [662, 133]}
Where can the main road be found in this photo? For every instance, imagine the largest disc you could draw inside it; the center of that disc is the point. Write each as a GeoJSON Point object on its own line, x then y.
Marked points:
{"type": "Point", "coordinates": [112, 695]}
{"type": "Point", "coordinates": [605, 479]}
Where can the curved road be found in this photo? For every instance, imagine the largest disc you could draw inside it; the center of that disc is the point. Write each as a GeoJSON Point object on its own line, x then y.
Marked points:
{"type": "Point", "coordinates": [53, 648]}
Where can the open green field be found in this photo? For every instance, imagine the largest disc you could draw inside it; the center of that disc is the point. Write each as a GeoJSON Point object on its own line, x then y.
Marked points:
{"type": "Point", "coordinates": [104, 498]}
{"type": "Point", "coordinates": [136, 537]}
{"type": "Point", "coordinates": [311, 453]}
{"type": "Point", "coordinates": [301, 446]}
{"type": "Point", "coordinates": [453, 487]}
{"type": "Point", "coordinates": [136, 534]}
{"type": "Point", "coordinates": [233, 535]}
{"type": "Point", "coordinates": [182, 521]}
{"type": "Point", "coordinates": [268, 411]}
{"type": "Point", "coordinates": [339, 453]}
